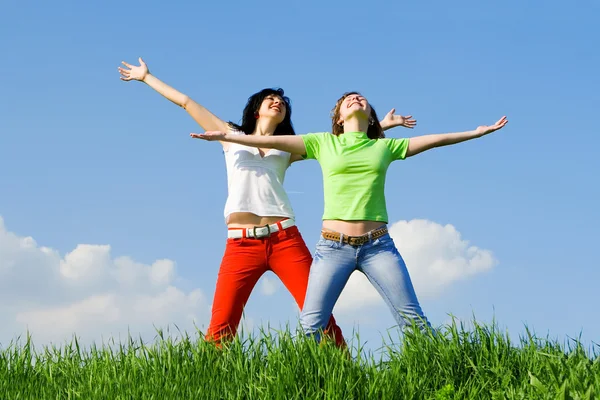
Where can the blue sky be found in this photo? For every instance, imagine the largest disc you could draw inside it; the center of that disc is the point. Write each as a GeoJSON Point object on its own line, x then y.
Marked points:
{"type": "Point", "coordinates": [89, 159]}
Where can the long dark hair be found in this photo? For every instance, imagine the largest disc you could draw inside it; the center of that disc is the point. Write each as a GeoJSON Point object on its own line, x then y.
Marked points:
{"type": "Point", "coordinates": [375, 131]}
{"type": "Point", "coordinates": [253, 105]}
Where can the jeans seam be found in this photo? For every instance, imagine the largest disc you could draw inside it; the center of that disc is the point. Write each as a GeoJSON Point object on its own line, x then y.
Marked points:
{"type": "Point", "coordinates": [383, 293]}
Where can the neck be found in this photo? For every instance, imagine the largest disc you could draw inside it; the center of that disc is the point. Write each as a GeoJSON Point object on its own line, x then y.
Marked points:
{"type": "Point", "coordinates": [265, 127]}
{"type": "Point", "coordinates": [356, 124]}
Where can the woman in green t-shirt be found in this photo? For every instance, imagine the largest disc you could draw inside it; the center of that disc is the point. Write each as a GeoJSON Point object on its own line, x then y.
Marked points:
{"type": "Point", "coordinates": [354, 161]}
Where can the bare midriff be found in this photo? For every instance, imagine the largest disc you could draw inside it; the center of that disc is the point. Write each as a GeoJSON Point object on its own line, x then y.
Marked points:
{"type": "Point", "coordinates": [250, 220]}
{"type": "Point", "coordinates": [351, 228]}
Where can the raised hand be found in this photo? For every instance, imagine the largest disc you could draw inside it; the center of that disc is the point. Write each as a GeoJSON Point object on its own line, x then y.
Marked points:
{"type": "Point", "coordinates": [209, 135]}
{"type": "Point", "coordinates": [136, 73]}
{"type": "Point", "coordinates": [485, 129]}
{"type": "Point", "coordinates": [392, 120]}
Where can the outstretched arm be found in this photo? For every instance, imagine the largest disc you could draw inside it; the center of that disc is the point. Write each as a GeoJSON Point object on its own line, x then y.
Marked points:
{"type": "Point", "coordinates": [201, 115]}
{"type": "Point", "coordinates": [293, 144]}
{"type": "Point", "coordinates": [420, 144]}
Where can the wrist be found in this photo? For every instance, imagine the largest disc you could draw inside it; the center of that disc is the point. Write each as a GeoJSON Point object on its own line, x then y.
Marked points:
{"type": "Point", "coordinates": [146, 77]}
{"type": "Point", "coordinates": [477, 134]}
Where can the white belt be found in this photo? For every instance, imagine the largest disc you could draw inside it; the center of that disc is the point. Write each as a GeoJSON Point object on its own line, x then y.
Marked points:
{"type": "Point", "coordinates": [259, 231]}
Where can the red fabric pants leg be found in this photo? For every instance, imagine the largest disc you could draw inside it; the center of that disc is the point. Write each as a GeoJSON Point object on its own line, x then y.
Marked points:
{"type": "Point", "coordinates": [243, 264]}
{"type": "Point", "coordinates": [290, 260]}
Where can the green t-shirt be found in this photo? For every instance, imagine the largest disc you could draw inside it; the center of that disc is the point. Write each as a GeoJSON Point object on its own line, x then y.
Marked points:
{"type": "Point", "coordinates": [354, 169]}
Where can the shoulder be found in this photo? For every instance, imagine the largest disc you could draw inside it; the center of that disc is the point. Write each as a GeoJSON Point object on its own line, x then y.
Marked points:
{"type": "Point", "coordinates": [397, 147]}
{"type": "Point", "coordinates": [234, 132]}
{"type": "Point", "coordinates": [393, 142]}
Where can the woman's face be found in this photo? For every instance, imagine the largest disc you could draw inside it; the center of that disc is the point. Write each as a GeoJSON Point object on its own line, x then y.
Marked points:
{"type": "Point", "coordinates": [354, 105]}
{"type": "Point", "coordinates": [274, 107]}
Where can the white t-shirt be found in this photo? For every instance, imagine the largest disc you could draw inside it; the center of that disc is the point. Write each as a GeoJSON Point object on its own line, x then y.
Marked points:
{"type": "Point", "coordinates": [255, 183]}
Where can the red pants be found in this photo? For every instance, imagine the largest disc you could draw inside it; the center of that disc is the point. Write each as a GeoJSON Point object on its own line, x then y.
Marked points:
{"type": "Point", "coordinates": [244, 262]}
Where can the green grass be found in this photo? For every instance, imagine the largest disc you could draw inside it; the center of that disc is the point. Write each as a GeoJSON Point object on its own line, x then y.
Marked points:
{"type": "Point", "coordinates": [479, 363]}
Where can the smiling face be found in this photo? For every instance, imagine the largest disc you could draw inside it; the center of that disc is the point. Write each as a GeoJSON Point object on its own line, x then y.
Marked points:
{"type": "Point", "coordinates": [273, 106]}
{"type": "Point", "coordinates": [269, 103]}
{"type": "Point", "coordinates": [354, 105]}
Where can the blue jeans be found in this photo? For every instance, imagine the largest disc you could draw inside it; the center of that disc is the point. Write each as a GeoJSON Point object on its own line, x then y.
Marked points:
{"type": "Point", "coordinates": [380, 261]}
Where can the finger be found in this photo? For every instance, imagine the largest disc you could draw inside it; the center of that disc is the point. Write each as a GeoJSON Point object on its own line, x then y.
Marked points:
{"type": "Point", "coordinates": [127, 65]}
{"type": "Point", "coordinates": [392, 111]}
{"type": "Point", "coordinates": [141, 61]}
{"type": "Point", "coordinates": [125, 79]}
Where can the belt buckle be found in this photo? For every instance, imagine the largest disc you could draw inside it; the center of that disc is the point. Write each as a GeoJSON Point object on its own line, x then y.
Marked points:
{"type": "Point", "coordinates": [266, 226]}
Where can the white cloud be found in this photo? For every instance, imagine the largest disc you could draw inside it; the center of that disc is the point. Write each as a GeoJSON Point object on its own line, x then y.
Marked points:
{"type": "Point", "coordinates": [268, 286]}
{"type": "Point", "coordinates": [90, 293]}
{"type": "Point", "coordinates": [436, 256]}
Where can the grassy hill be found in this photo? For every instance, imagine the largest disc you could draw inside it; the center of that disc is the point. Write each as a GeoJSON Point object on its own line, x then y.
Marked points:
{"type": "Point", "coordinates": [480, 363]}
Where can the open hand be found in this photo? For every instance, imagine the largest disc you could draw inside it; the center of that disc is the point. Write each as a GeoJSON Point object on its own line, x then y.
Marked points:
{"type": "Point", "coordinates": [209, 135]}
{"type": "Point", "coordinates": [392, 120]}
{"type": "Point", "coordinates": [485, 129]}
{"type": "Point", "coordinates": [136, 73]}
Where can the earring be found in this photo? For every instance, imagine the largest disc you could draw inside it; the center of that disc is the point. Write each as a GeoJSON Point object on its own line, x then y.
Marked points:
{"type": "Point", "coordinates": [256, 115]}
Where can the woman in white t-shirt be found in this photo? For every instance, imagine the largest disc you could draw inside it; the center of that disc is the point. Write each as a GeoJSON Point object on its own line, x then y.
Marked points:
{"type": "Point", "coordinates": [262, 234]}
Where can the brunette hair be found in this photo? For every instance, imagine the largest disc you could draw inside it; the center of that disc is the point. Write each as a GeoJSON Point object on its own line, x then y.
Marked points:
{"type": "Point", "coordinates": [253, 105]}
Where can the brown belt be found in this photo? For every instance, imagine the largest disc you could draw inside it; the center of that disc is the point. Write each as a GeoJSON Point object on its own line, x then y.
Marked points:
{"type": "Point", "coordinates": [355, 240]}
